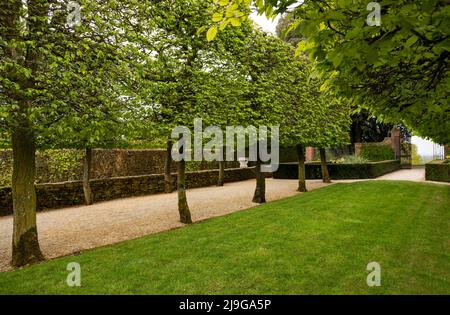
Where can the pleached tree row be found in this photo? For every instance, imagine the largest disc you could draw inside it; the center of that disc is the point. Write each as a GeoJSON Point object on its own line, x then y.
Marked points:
{"type": "Point", "coordinates": [131, 71]}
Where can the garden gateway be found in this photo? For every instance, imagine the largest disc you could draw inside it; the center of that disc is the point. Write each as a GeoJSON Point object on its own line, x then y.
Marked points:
{"type": "Point", "coordinates": [238, 140]}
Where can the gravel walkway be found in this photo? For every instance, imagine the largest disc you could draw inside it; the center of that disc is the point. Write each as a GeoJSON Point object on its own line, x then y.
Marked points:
{"type": "Point", "coordinates": [415, 175]}
{"type": "Point", "coordinates": [70, 230]}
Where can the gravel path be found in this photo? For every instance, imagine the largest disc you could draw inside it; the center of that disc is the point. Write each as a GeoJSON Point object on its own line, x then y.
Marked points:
{"type": "Point", "coordinates": [70, 230]}
{"type": "Point", "coordinates": [415, 174]}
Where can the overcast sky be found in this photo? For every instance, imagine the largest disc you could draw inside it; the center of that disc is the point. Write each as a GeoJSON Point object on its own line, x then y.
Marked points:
{"type": "Point", "coordinates": [424, 147]}
{"type": "Point", "coordinates": [264, 23]}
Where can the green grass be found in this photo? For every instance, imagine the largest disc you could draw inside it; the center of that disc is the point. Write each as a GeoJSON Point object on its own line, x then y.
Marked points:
{"type": "Point", "coordinates": [315, 243]}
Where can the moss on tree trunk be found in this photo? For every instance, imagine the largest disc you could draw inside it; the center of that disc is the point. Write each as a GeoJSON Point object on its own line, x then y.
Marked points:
{"type": "Point", "coordinates": [167, 168]}
{"type": "Point", "coordinates": [301, 168]}
{"type": "Point", "coordinates": [87, 165]}
{"type": "Point", "coordinates": [183, 208]}
{"type": "Point", "coordinates": [25, 244]}
{"type": "Point", "coordinates": [323, 162]}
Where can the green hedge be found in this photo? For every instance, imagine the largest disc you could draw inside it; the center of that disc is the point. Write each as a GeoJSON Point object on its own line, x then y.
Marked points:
{"type": "Point", "coordinates": [438, 171]}
{"type": "Point", "coordinates": [67, 194]}
{"type": "Point", "coordinates": [51, 166]}
{"type": "Point", "coordinates": [339, 171]}
{"type": "Point", "coordinates": [377, 152]}
{"type": "Point", "coordinates": [6, 169]}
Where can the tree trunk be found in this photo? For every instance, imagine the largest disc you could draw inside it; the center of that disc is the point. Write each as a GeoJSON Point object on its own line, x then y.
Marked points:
{"type": "Point", "coordinates": [220, 180]}
{"type": "Point", "coordinates": [301, 168]}
{"type": "Point", "coordinates": [183, 208]}
{"type": "Point", "coordinates": [25, 244]}
{"type": "Point", "coordinates": [358, 133]}
{"type": "Point", "coordinates": [167, 169]}
{"type": "Point", "coordinates": [260, 191]}
{"type": "Point", "coordinates": [87, 165]}
{"type": "Point", "coordinates": [351, 149]}
{"type": "Point", "coordinates": [323, 160]}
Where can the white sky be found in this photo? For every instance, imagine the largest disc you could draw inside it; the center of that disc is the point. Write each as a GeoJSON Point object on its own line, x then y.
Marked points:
{"type": "Point", "coordinates": [424, 147]}
{"type": "Point", "coordinates": [267, 25]}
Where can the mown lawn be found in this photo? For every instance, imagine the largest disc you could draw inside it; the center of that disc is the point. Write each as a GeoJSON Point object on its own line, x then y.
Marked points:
{"type": "Point", "coordinates": [315, 243]}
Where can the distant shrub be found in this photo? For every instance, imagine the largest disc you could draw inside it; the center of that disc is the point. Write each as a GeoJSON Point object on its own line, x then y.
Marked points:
{"type": "Point", "coordinates": [330, 155]}
{"type": "Point", "coordinates": [377, 152]}
{"type": "Point", "coordinates": [353, 159]}
{"type": "Point", "coordinates": [438, 171]}
{"type": "Point", "coordinates": [336, 161]}
{"type": "Point", "coordinates": [349, 159]}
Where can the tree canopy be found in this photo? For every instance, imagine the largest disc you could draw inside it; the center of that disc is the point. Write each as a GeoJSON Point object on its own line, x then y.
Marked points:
{"type": "Point", "coordinates": [400, 70]}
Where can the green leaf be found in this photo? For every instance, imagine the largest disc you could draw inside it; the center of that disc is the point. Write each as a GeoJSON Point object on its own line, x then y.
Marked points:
{"type": "Point", "coordinates": [217, 17]}
{"type": "Point", "coordinates": [235, 22]}
{"type": "Point", "coordinates": [411, 40]}
{"type": "Point", "coordinates": [224, 24]}
{"type": "Point", "coordinates": [259, 4]}
{"type": "Point", "coordinates": [211, 34]}
{"type": "Point", "coordinates": [201, 30]}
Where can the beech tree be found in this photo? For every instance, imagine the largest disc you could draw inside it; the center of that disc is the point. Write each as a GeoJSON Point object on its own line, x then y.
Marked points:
{"type": "Point", "coordinates": [221, 98]}
{"type": "Point", "coordinates": [95, 113]}
{"type": "Point", "coordinates": [267, 65]}
{"type": "Point", "coordinates": [251, 71]}
{"type": "Point", "coordinates": [37, 53]}
{"type": "Point", "coordinates": [398, 68]}
{"type": "Point", "coordinates": [177, 47]}
{"type": "Point", "coordinates": [334, 120]}
{"type": "Point", "coordinates": [299, 126]}
{"type": "Point", "coordinates": [313, 116]}
{"type": "Point", "coordinates": [85, 127]}
{"type": "Point", "coordinates": [178, 69]}
{"type": "Point", "coordinates": [312, 112]}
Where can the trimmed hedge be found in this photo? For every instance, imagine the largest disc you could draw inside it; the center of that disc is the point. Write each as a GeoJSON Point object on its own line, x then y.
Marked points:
{"type": "Point", "coordinates": [438, 171]}
{"type": "Point", "coordinates": [339, 171]}
{"type": "Point", "coordinates": [373, 152]}
{"type": "Point", "coordinates": [67, 194]}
